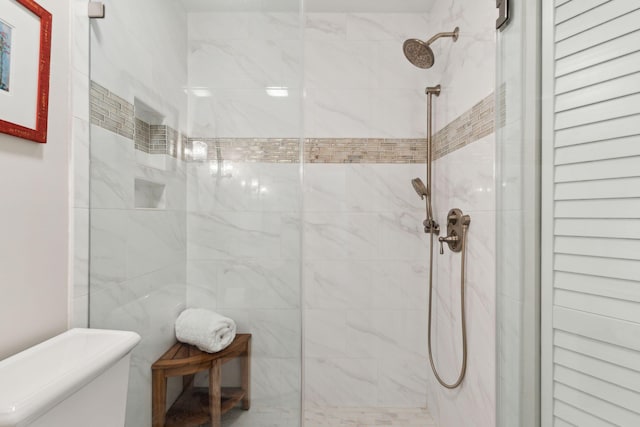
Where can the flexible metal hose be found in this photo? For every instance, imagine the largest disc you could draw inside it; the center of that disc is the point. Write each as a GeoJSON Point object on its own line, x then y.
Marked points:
{"type": "Point", "coordinates": [463, 274]}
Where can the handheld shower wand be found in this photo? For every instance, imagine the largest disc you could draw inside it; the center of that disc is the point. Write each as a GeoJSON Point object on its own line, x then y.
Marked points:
{"type": "Point", "coordinates": [420, 188]}
{"type": "Point", "coordinates": [425, 192]}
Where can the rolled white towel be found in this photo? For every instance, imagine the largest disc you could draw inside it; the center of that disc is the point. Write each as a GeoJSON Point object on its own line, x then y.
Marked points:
{"type": "Point", "coordinates": [207, 330]}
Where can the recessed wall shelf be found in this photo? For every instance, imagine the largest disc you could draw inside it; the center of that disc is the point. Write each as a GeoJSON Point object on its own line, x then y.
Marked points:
{"type": "Point", "coordinates": [149, 195]}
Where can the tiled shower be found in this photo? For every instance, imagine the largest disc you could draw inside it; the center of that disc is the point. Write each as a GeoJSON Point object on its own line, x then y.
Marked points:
{"type": "Point", "coordinates": [258, 163]}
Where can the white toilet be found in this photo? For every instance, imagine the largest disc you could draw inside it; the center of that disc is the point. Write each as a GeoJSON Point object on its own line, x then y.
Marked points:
{"type": "Point", "coordinates": [76, 379]}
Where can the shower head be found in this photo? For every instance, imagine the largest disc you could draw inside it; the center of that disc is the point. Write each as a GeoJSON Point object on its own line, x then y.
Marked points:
{"type": "Point", "coordinates": [420, 188]}
{"type": "Point", "coordinates": [420, 54]}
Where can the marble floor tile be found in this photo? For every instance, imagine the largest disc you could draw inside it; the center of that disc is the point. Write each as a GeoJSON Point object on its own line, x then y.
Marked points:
{"type": "Point", "coordinates": [368, 417]}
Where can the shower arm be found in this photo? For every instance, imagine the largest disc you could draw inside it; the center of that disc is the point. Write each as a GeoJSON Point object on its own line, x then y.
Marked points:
{"type": "Point", "coordinates": [454, 34]}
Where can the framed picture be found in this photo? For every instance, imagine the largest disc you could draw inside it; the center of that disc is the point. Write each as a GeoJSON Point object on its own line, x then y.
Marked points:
{"type": "Point", "coordinates": [25, 52]}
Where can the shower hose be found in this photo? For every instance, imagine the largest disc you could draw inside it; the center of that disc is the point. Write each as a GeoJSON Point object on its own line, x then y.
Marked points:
{"type": "Point", "coordinates": [463, 369]}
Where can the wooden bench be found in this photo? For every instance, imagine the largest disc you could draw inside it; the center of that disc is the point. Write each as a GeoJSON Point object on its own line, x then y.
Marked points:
{"type": "Point", "coordinates": [199, 405]}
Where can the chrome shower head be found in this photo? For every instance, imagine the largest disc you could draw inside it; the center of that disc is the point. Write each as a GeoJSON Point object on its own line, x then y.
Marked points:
{"type": "Point", "coordinates": [420, 54]}
{"type": "Point", "coordinates": [420, 188]}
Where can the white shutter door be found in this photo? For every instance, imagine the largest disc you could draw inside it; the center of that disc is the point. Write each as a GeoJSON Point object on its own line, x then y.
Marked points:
{"type": "Point", "coordinates": [591, 210]}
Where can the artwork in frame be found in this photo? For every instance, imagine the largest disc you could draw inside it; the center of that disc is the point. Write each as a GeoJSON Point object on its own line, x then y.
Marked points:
{"type": "Point", "coordinates": [5, 56]}
{"type": "Point", "coordinates": [25, 52]}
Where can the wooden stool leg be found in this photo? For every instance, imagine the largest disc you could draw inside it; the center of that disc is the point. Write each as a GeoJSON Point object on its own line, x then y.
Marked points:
{"type": "Point", "coordinates": [215, 395]}
{"type": "Point", "coordinates": [245, 364]}
{"type": "Point", "coordinates": [159, 398]}
{"type": "Point", "coordinates": [187, 381]}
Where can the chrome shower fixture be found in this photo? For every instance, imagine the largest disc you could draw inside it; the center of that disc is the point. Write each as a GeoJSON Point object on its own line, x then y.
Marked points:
{"type": "Point", "coordinates": [419, 52]}
{"type": "Point", "coordinates": [420, 188]}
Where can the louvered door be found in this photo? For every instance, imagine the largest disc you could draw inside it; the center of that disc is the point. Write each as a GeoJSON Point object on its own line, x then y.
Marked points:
{"type": "Point", "coordinates": [591, 213]}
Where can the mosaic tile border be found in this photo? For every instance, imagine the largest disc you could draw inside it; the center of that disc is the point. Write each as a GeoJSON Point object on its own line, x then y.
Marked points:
{"type": "Point", "coordinates": [111, 112]}
{"type": "Point", "coordinates": [471, 126]}
{"type": "Point", "coordinates": [142, 135]}
{"type": "Point", "coordinates": [502, 106]}
{"type": "Point", "coordinates": [115, 114]}
{"type": "Point", "coordinates": [316, 150]}
{"type": "Point", "coordinates": [365, 150]}
{"type": "Point", "coordinates": [244, 150]}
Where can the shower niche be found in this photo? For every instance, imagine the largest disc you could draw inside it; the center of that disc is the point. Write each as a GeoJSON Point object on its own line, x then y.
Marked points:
{"type": "Point", "coordinates": [149, 195]}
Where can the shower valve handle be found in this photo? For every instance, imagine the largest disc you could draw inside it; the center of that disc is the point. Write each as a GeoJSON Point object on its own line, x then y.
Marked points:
{"type": "Point", "coordinates": [447, 239]}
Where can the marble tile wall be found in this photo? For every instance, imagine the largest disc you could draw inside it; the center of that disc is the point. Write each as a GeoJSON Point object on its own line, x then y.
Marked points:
{"type": "Point", "coordinates": [364, 253]}
{"type": "Point", "coordinates": [466, 68]}
{"type": "Point", "coordinates": [465, 179]}
{"type": "Point", "coordinates": [364, 276]}
{"type": "Point", "coordinates": [138, 256]}
{"type": "Point", "coordinates": [358, 84]}
{"type": "Point", "coordinates": [471, 126]}
{"type": "Point", "coordinates": [364, 270]}
{"type": "Point", "coordinates": [363, 257]}
{"type": "Point", "coordinates": [136, 56]}
{"type": "Point", "coordinates": [113, 113]}
{"type": "Point", "coordinates": [368, 417]}
{"type": "Point", "coordinates": [357, 233]}
{"type": "Point", "coordinates": [244, 262]}
{"type": "Point", "coordinates": [244, 202]}
{"type": "Point", "coordinates": [234, 58]}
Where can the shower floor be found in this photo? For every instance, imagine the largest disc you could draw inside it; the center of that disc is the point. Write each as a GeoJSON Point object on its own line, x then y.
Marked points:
{"type": "Point", "coordinates": [329, 417]}
{"type": "Point", "coordinates": [368, 417]}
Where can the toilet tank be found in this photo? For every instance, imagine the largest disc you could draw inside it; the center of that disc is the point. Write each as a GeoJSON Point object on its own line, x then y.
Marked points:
{"type": "Point", "coordinates": [76, 379]}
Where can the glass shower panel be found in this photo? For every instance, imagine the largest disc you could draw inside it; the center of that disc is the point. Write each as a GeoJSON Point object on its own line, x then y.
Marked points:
{"type": "Point", "coordinates": [518, 205]}
{"type": "Point", "coordinates": [138, 229]}
{"type": "Point", "coordinates": [244, 190]}
{"type": "Point", "coordinates": [195, 187]}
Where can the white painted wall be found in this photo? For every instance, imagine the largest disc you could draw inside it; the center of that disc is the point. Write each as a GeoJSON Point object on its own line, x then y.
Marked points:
{"type": "Point", "coordinates": [34, 224]}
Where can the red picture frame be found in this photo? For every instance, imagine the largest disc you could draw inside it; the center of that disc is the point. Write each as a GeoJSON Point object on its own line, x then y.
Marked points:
{"type": "Point", "coordinates": [39, 133]}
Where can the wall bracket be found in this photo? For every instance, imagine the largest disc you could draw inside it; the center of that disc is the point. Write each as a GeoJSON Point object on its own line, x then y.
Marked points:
{"type": "Point", "coordinates": [96, 10]}
{"type": "Point", "coordinates": [503, 17]}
